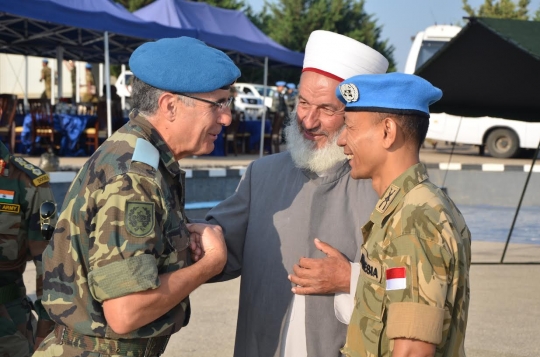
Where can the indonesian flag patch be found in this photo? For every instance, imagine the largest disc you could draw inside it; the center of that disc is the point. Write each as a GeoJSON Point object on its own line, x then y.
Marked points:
{"type": "Point", "coordinates": [396, 279]}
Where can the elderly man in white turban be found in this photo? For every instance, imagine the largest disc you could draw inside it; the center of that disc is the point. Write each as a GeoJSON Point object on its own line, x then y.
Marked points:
{"type": "Point", "coordinates": [285, 203]}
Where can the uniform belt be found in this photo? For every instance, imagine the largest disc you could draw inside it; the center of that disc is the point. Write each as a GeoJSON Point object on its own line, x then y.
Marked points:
{"type": "Point", "coordinates": [9, 293]}
{"type": "Point", "coordinates": [138, 347]}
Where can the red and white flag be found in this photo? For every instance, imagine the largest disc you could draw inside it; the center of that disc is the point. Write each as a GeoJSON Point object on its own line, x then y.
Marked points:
{"type": "Point", "coordinates": [396, 279]}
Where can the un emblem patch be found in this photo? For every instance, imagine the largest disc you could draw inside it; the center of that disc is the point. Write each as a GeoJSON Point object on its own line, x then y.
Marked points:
{"type": "Point", "coordinates": [349, 92]}
{"type": "Point", "coordinates": [139, 218]}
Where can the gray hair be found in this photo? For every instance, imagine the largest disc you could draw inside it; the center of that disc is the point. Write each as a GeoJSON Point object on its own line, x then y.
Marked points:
{"type": "Point", "coordinates": [145, 97]}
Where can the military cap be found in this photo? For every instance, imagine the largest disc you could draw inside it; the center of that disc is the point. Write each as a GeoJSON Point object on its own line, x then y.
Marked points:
{"type": "Point", "coordinates": [183, 65]}
{"type": "Point", "coordinates": [397, 93]}
{"type": "Point", "coordinates": [291, 86]}
{"type": "Point", "coordinates": [281, 83]}
{"type": "Point", "coordinates": [45, 60]}
{"type": "Point", "coordinates": [88, 66]}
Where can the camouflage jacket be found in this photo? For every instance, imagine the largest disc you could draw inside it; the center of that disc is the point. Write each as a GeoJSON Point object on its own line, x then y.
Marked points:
{"type": "Point", "coordinates": [121, 226]}
{"type": "Point", "coordinates": [23, 187]}
{"type": "Point", "coordinates": [414, 280]}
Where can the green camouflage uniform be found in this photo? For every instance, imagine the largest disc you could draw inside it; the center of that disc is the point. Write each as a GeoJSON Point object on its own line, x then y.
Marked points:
{"type": "Point", "coordinates": [122, 224]}
{"type": "Point", "coordinates": [46, 75]}
{"type": "Point", "coordinates": [23, 187]}
{"type": "Point", "coordinates": [417, 231]}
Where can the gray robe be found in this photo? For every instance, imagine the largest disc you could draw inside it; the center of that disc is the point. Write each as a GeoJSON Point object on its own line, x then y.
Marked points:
{"type": "Point", "coordinates": [269, 224]}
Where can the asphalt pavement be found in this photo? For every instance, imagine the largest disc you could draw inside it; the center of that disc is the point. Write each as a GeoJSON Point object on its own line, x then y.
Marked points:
{"type": "Point", "coordinates": [504, 314]}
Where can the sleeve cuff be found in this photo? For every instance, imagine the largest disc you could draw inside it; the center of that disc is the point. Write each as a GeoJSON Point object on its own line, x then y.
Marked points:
{"type": "Point", "coordinates": [415, 321]}
{"type": "Point", "coordinates": [343, 302]}
{"type": "Point", "coordinates": [123, 277]}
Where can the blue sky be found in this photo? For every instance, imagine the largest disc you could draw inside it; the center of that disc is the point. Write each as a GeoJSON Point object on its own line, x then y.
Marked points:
{"type": "Point", "coordinates": [402, 19]}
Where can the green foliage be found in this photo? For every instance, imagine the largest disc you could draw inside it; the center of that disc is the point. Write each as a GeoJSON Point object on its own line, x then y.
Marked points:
{"type": "Point", "coordinates": [289, 22]}
{"type": "Point", "coordinates": [133, 5]}
{"type": "Point", "coordinates": [502, 9]}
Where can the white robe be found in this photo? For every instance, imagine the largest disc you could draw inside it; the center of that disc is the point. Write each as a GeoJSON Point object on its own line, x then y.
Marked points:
{"type": "Point", "coordinates": [269, 224]}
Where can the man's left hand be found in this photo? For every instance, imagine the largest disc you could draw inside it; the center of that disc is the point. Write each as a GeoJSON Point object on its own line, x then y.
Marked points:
{"type": "Point", "coordinates": [322, 276]}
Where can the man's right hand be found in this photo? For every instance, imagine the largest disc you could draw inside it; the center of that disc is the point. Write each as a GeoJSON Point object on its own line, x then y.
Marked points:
{"type": "Point", "coordinates": [208, 245]}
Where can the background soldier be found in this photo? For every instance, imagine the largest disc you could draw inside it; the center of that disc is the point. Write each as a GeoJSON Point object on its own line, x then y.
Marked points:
{"type": "Point", "coordinates": [46, 76]}
{"type": "Point", "coordinates": [89, 94]}
{"type": "Point", "coordinates": [23, 188]}
{"type": "Point", "coordinates": [118, 272]}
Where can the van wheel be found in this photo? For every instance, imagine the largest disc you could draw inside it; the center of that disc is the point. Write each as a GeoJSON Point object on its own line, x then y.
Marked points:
{"type": "Point", "coordinates": [503, 143]}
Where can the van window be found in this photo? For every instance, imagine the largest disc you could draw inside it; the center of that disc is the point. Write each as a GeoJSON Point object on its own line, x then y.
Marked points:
{"type": "Point", "coordinates": [428, 49]}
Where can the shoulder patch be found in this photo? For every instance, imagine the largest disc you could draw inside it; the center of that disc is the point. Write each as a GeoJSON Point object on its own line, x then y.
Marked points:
{"type": "Point", "coordinates": [37, 175]}
{"type": "Point", "coordinates": [139, 218]}
{"type": "Point", "coordinates": [146, 153]}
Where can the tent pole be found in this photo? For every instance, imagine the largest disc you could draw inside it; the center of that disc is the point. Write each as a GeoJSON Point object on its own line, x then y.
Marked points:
{"type": "Point", "coordinates": [26, 105]}
{"type": "Point", "coordinates": [123, 98]}
{"type": "Point", "coordinates": [263, 120]}
{"type": "Point", "coordinates": [108, 83]}
{"type": "Point", "coordinates": [520, 201]}
{"type": "Point", "coordinates": [53, 82]}
{"type": "Point", "coordinates": [59, 62]}
{"type": "Point", "coordinates": [77, 81]}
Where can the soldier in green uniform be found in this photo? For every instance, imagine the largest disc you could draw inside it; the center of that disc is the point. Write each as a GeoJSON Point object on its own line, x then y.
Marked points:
{"type": "Point", "coordinates": [118, 271]}
{"type": "Point", "coordinates": [89, 94]}
{"type": "Point", "coordinates": [46, 76]}
{"type": "Point", "coordinates": [23, 188]}
{"type": "Point", "coordinates": [412, 296]}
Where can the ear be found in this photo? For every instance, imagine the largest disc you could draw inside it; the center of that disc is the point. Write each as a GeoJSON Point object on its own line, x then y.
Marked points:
{"type": "Point", "coordinates": [390, 128]}
{"type": "Point", "coordinates": [168, 105]}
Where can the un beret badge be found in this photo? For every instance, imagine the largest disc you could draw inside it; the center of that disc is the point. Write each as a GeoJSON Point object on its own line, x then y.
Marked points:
{"type": "Point", "coordinates": [139, 218]}
{"type": "Point", "coordinates": [349, 92]}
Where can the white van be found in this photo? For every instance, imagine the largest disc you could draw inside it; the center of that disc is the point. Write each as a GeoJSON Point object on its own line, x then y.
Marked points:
{"type": "Point", "coordinates": [257, 90]}
{"type": "Point", "coordinates": [503, 138]}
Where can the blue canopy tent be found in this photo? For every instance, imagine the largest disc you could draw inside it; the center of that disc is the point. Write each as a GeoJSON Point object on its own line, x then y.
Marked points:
{"type": "Point", "coordinates": [84, 30]}
{"type": "Point", "coordinates": [229, 30]}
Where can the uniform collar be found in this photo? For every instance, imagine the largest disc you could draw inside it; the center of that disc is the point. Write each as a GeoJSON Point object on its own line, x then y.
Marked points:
{"type": "Point", "coordinates": [142, 125]}
{"type": "Point", "coordinates": [394, 194]}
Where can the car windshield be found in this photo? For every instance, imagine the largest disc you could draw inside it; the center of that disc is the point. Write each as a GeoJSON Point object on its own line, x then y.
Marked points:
{"type": "Point", "coordinates": [269, 91]}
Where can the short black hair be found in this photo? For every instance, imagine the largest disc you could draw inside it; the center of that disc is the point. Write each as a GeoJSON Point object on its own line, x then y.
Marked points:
{"type": "Point", "coordinates": [414, 127]}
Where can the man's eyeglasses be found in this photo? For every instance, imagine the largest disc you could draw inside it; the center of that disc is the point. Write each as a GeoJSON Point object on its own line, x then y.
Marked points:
{"type": "Point", "coordinates": [323, 110]}
{"type": "Point", "coordinates": [220, 105]}
{"type": "Point", "coordinates": [46, 211]}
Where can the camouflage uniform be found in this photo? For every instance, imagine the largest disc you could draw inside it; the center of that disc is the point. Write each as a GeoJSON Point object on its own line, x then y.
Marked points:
{"type": "Point", "coordinates": [122, 225]}
{"type": "Point", "coordinates": [23, 187]}
{"type": "Point", "coordinates": [46, 75]}
{"type": "Point", "coordinates": [416, 232]}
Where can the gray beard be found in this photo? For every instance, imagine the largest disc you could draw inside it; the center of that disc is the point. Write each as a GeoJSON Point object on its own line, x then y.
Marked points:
{"type": "Point", "coordinates": [305, 154]}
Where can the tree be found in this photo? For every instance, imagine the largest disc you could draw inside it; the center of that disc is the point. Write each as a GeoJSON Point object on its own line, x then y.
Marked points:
{"type": "Point", "coordinates": [133, 5]}
{"type": "Point", "coordinates": [290, 22]}
{"type": "Point", "coordinates": [502, 9]}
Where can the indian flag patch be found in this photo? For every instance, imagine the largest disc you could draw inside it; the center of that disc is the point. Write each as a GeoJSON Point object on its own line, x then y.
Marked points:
{"type": "Point", "coordinates": [6, 196]}
{"type": "Point", "coordinates": [396, 279]}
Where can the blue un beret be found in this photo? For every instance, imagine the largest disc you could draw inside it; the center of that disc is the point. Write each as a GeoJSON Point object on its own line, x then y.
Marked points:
{"type": "Point", "coordinates": [281, 83]}
{"type": "Point", "coordinates": [183, 65]}
{"type": "Point", "coordinates": [397, 93]}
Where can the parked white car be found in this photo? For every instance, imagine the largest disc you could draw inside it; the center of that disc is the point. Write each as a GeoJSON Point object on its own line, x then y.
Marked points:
{"type": "Point", "coordinates": [257, 90]}
{"type": "Point", "coordinates": [250, 106]}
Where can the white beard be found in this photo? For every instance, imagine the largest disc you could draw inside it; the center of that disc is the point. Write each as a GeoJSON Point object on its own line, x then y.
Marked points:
{"type": "Point", "coordinates": [304, 153]}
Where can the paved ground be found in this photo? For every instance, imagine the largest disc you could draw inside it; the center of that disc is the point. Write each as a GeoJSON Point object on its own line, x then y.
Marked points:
{"type": "Point", "coordinates": [504, 311]}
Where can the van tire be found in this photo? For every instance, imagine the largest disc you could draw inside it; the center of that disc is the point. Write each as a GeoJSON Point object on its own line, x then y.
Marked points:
{"type": "Point", "coordinates": [503, 143]}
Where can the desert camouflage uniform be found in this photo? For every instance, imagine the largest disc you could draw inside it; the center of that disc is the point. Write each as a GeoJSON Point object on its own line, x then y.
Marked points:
{"type": "Point", "coordinates": [122, 225]}
{"type": "Point", "coordinates": [23, 187]}
{"type": "Point", "coordinates": [46, 75]}
{"type": "Point", "coordinates": [417, 229]}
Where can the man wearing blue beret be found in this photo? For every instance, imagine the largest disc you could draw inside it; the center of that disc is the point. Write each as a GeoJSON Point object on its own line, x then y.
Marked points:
{"type": "Point", "coordinates": [413, 291]}
{"type": "Point", "coordinates": [118, 271]}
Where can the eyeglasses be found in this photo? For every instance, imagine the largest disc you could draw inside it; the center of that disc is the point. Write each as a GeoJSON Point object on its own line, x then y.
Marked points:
{"type": "Point", "coordinates": [323, 110]}
{"type": "Point", "coordinates": [46, 212]}
{"type": "Point", "coordinates": [220, 105]}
